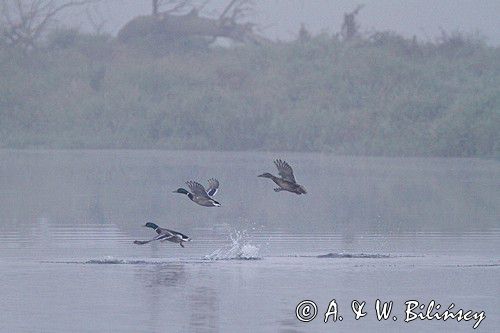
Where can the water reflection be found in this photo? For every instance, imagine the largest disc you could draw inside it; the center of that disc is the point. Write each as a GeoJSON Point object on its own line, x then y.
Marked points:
{"type": "Point", "coordinates": [204, 310]}
{"type": "Point", "coordinates": [290, 326]}
{"type": "Point", "coordinates": [160, 284]}
{"type": "Point", "coordinates": [164, 275]}
{"type": "Point", "coordinates": [96, 210]}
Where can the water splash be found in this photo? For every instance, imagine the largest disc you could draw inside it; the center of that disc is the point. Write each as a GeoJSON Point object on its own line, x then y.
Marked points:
{"type": "Point", "coordinates": [239, 249]}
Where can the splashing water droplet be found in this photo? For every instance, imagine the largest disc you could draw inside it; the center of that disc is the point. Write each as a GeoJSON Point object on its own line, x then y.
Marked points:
{"type": "Point", "coordinates": [238, 249]}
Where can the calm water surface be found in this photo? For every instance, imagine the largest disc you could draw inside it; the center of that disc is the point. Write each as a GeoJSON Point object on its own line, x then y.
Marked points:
{"type": "Point", "coordinates": [369, 228]}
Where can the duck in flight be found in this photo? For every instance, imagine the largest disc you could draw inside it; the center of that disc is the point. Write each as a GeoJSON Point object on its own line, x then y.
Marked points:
{"type": "Point", "coordinates": [198, 193]}
{"type": "Point", "coordinates": [287, 181]}
{"type": "Point", "coordinates": [165, 235]}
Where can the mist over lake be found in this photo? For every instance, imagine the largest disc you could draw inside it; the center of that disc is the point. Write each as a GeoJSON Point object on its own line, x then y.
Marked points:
{"type": "Point", "coordinates": [368, 228]}
{"type": "Point", "coordinates": [249, 166]}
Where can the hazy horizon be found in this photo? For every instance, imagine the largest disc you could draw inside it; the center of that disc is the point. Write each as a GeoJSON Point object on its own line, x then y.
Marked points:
{"type": "Point", "coordinates": [281, 20]}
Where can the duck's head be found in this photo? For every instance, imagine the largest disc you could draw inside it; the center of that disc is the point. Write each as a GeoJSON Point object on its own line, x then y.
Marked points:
{"type": "Point", "coordinates": [181, 190]}
{"type": "Point", "coordinates": [151, 225]}
{"type": "Point", "coordinates": [266, 175]}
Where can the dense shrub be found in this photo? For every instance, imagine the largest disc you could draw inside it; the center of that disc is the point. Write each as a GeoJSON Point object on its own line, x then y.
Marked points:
{"type": "Point", "coordinates": [380, 95]}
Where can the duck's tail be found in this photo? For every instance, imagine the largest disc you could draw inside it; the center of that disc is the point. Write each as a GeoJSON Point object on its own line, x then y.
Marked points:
{"type": "Point", "coordinates": [302, 189]}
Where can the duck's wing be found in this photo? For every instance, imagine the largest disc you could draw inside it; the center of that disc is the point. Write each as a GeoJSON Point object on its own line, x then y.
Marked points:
{"type": "Point", "coordinates": [160, 231]}
{"type": "Point", "coordinates": [213, 186]}
{"type": "Point", "coordinates": [178, 234]}
{"type": "Point", "coordinates": [285, 170]}
{"type": "Point", "coordinates": [163, 236]}
{"type": "Point", "coordinates": [197, 189]}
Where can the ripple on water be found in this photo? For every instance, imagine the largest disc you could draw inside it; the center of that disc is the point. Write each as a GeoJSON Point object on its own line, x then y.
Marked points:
{"type": "Point", "coordinates": [355, 255]}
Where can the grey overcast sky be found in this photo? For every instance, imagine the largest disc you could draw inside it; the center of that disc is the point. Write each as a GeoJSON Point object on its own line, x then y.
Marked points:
{"type": "Point", "coordinates": [281, 19]}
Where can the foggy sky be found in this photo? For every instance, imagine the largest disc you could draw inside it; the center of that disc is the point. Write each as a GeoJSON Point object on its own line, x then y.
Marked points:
{"type": "Point", "coordinates": [281, 19]}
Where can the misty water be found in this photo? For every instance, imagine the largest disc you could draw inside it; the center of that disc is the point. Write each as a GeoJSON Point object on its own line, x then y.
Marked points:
{"type": "Point", "coordinates": [369, 228]}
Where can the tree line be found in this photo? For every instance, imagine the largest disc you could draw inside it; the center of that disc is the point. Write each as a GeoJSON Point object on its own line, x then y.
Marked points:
{"type": "Point", "coordinates": [347, 93]}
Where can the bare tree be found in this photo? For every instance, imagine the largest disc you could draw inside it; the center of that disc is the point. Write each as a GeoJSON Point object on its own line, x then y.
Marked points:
{"type": "Point", "coordinates": [172, 6]}
{"type": "Point", "coordinates": [304, 34]}
{"type": "Point", "coordinates": [96, 20]}
{"type": "Point", "coordinates": [155, 5]}
{"type": "Point", "coordinates": [349, 26]}
{"type": "Point", "coordinates": [237, 10]}
{"type": "Point", "coordinates": [23, 22]}
{"type": "Point", "coordinates": [173, 19]}
{"type": "Point", "coordinates": [229, 20]}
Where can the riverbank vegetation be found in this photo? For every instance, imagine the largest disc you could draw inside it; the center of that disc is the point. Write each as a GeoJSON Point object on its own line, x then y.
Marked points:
{"type": "Point", "coordinates": [377, 94]}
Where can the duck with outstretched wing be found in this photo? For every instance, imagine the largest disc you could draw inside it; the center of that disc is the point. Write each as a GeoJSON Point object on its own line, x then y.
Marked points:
{"type": "Point", "coordinates": [287, 180]}
{"type": "Point", "coordinates": [199, 194]}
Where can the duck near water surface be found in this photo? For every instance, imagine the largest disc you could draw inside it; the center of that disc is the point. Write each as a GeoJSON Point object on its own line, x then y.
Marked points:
{"type": "Point", "coordinates": [164, 235]}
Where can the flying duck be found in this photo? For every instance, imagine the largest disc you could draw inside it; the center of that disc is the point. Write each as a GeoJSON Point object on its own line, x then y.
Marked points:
{"type": "Point", "coordinates": [287, 181]}
{"type": "Point", "coordinates": [198, 193]}
{"type": "Point", "coordinates": [165, 235]}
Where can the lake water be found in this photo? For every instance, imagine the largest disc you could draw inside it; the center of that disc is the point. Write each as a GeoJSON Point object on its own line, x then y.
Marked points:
{"type": "Point", "coordinates": [368, 228]}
